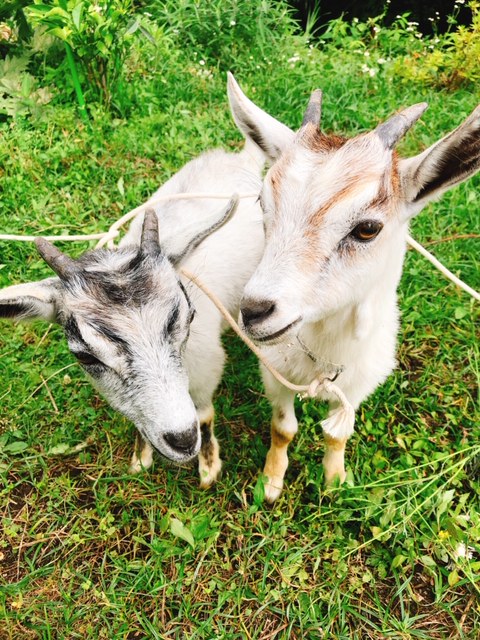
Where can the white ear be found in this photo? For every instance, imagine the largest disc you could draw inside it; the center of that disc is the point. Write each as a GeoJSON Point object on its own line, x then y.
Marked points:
{"type": "Point", "coordinates": [180, 244]}
{"type": "Point", "coordinates": [445, 164]}
{"type": "Point", "coordinates": [256, 125]}
{"type": "Point", "coordinates": [31, 301]}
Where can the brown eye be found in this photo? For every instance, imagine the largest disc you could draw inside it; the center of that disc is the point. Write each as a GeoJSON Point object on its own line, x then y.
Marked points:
{"type": "Point", "coordinates": [86, 358]}
{"type": "Point", "coordinates": [367, 230]}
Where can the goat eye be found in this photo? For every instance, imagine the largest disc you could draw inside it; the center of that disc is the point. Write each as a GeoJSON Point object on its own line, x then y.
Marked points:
{"type": "Point", "coordinates": [366, 230]}
{"type": "Point", "coordinates": [86, 358]}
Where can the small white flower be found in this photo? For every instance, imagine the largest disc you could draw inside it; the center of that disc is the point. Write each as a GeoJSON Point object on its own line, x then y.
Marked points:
{"type": "Point", "coordinates": [202, 62]}
{"type": "Point", "coordinates": [372, 72]}
{"type": "Point", "coordinates": [232, 23]}
{"type": "Point", "coordinates": [381, 61]}
{"type": "Point", "coordinates": [366, 54]}
{"type": "Point", "coordinates": [462, 551]}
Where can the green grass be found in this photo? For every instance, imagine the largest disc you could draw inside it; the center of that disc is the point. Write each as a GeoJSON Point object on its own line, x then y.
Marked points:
{"type": "Point", "coordinates": [88, 551]}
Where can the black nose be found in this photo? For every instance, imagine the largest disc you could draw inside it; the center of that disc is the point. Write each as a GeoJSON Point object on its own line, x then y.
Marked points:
{"type": "Point", "coordinates": [182, 441]}
{"type": "Point", "coordinates": [255, 311]}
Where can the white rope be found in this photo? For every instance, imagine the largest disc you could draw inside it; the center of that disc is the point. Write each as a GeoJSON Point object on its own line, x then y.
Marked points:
{"type": "Point", "coordinates": [436, 263]}
{"type": "Point", "coordinates": [113, 232]}
{"type": "Point", "coordinates": [93, 236]}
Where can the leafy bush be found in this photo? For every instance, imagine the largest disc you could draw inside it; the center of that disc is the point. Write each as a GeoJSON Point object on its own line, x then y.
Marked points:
{"type": "Point", "coordinates": [228, 33]}
{"type": "Point", "coordinates": [446, 61]}
{"type": "Point", "coordinates": [19, 90]}
{"type": "Point", "coordinates": [99, 34]}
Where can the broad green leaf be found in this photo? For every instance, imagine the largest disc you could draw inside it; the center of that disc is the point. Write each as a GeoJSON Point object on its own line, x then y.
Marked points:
{"type": "Point", "coordinates": [453, 578]}
{"type": "Point", "coordinates": [179, 530]}
{"type": "Point", "coordinates": [132, 27]}
{"type": "Point", "coordinates": [77, 15]}
{"type": "Point", "coordinates": [15, 447]}
{"type": "Point", "coordinates": [428, 561]}
{"type": "Point", "coordinates": [58, 450]}
{"type": "Point", "coordinates": [398, 561]}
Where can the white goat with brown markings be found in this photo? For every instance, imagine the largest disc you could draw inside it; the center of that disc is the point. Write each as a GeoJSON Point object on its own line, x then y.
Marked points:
{"type": "Point", "coordinates": [336, 214]}
{"type": "Point", "coordinates": [129, 317]}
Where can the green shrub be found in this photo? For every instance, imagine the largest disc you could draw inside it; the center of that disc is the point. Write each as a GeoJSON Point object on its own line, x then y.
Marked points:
{"type": "Point", "coordinates": [19, 90]}
{"type": "Point", "coordinates": [446, 61]}
{"type": "Point", "coordinates": [99, 34]}
{"type": "Point", "coordinates": [228, 33]}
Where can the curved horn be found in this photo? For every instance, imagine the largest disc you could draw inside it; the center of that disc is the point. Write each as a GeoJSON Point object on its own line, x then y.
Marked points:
{"type": "Point", "coordinates": [63, 265]}
{"type": "Point", "coordinates": [150, 243]}
{"type": "Point", "coordinates": [313, 113]}
{"type": "Point", "coordinates": [397, 126]}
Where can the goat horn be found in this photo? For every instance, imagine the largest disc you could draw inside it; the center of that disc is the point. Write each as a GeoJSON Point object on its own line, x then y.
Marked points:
{"type": "Point", "coordinates": [313, 113]}
{"type": "Point", "coordinates": [149, 242]}
{"type": "Point", "coordinates": [63, 265]}
{"type": "Point", "coordinates": [397, 126]}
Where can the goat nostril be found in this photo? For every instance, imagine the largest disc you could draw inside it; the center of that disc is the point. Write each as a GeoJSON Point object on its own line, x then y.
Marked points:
{"type": "Point", "coordinates": [254, 311]}
{"type": "Point", "coordinates": [183, 441]}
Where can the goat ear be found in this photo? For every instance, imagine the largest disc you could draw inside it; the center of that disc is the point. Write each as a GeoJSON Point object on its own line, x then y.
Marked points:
{"type": "Point", "coordinates": [445, 164]}
{"type": "Point", "coordinates": [31, 301]}
{"type": "Point", "coordinates": [181, 234]}
{"type": "Point", "coordinates": [256, 125]}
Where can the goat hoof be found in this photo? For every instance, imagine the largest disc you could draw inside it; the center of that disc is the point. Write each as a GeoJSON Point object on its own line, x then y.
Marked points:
{"type": "Point", "coordinates": [142, 462]}
{"type": "Point", "coordinates": [135, 467]}
{"type": "Point", "coordinates": [335, 479]}
{"type": "Point", "coordinates": [273, 489]}
{"type": "Point", "coordinates": [209, 475]}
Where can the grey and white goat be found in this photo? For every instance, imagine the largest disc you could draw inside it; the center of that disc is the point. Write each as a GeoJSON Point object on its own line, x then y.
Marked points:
{"type": "Point", "coordinates": [336, 214]}
{"type": "Point", "coordinates": [128, 315]}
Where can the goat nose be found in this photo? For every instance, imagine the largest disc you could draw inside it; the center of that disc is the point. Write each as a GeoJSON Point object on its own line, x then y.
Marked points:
{"type": "Point", "coordinates": [182, 441]}
{"type": "Point", "coordinates": [254, 311]}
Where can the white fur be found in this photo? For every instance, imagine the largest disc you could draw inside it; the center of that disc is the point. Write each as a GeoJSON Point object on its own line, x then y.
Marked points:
{"type": "Point", "coordinates": [341, 303]}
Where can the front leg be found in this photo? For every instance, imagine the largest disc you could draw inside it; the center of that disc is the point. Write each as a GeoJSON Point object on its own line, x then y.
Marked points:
{"type": "Point", "coordinates": [283, 428]}
{"type": "Point", "coordinates": [337, 428]}
{"type": "Point", "coordinates": [209, 463]}
{"type": "Point", "coordinates": [334, 460]}
{"type": "Point", "coordinates": [142, 457]}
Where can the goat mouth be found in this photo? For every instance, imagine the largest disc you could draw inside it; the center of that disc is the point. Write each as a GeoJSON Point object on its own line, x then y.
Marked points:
{"type": "Point", "coordinates": [274, 337]}
{"type": "Point", "coordinates": [186, 463]}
